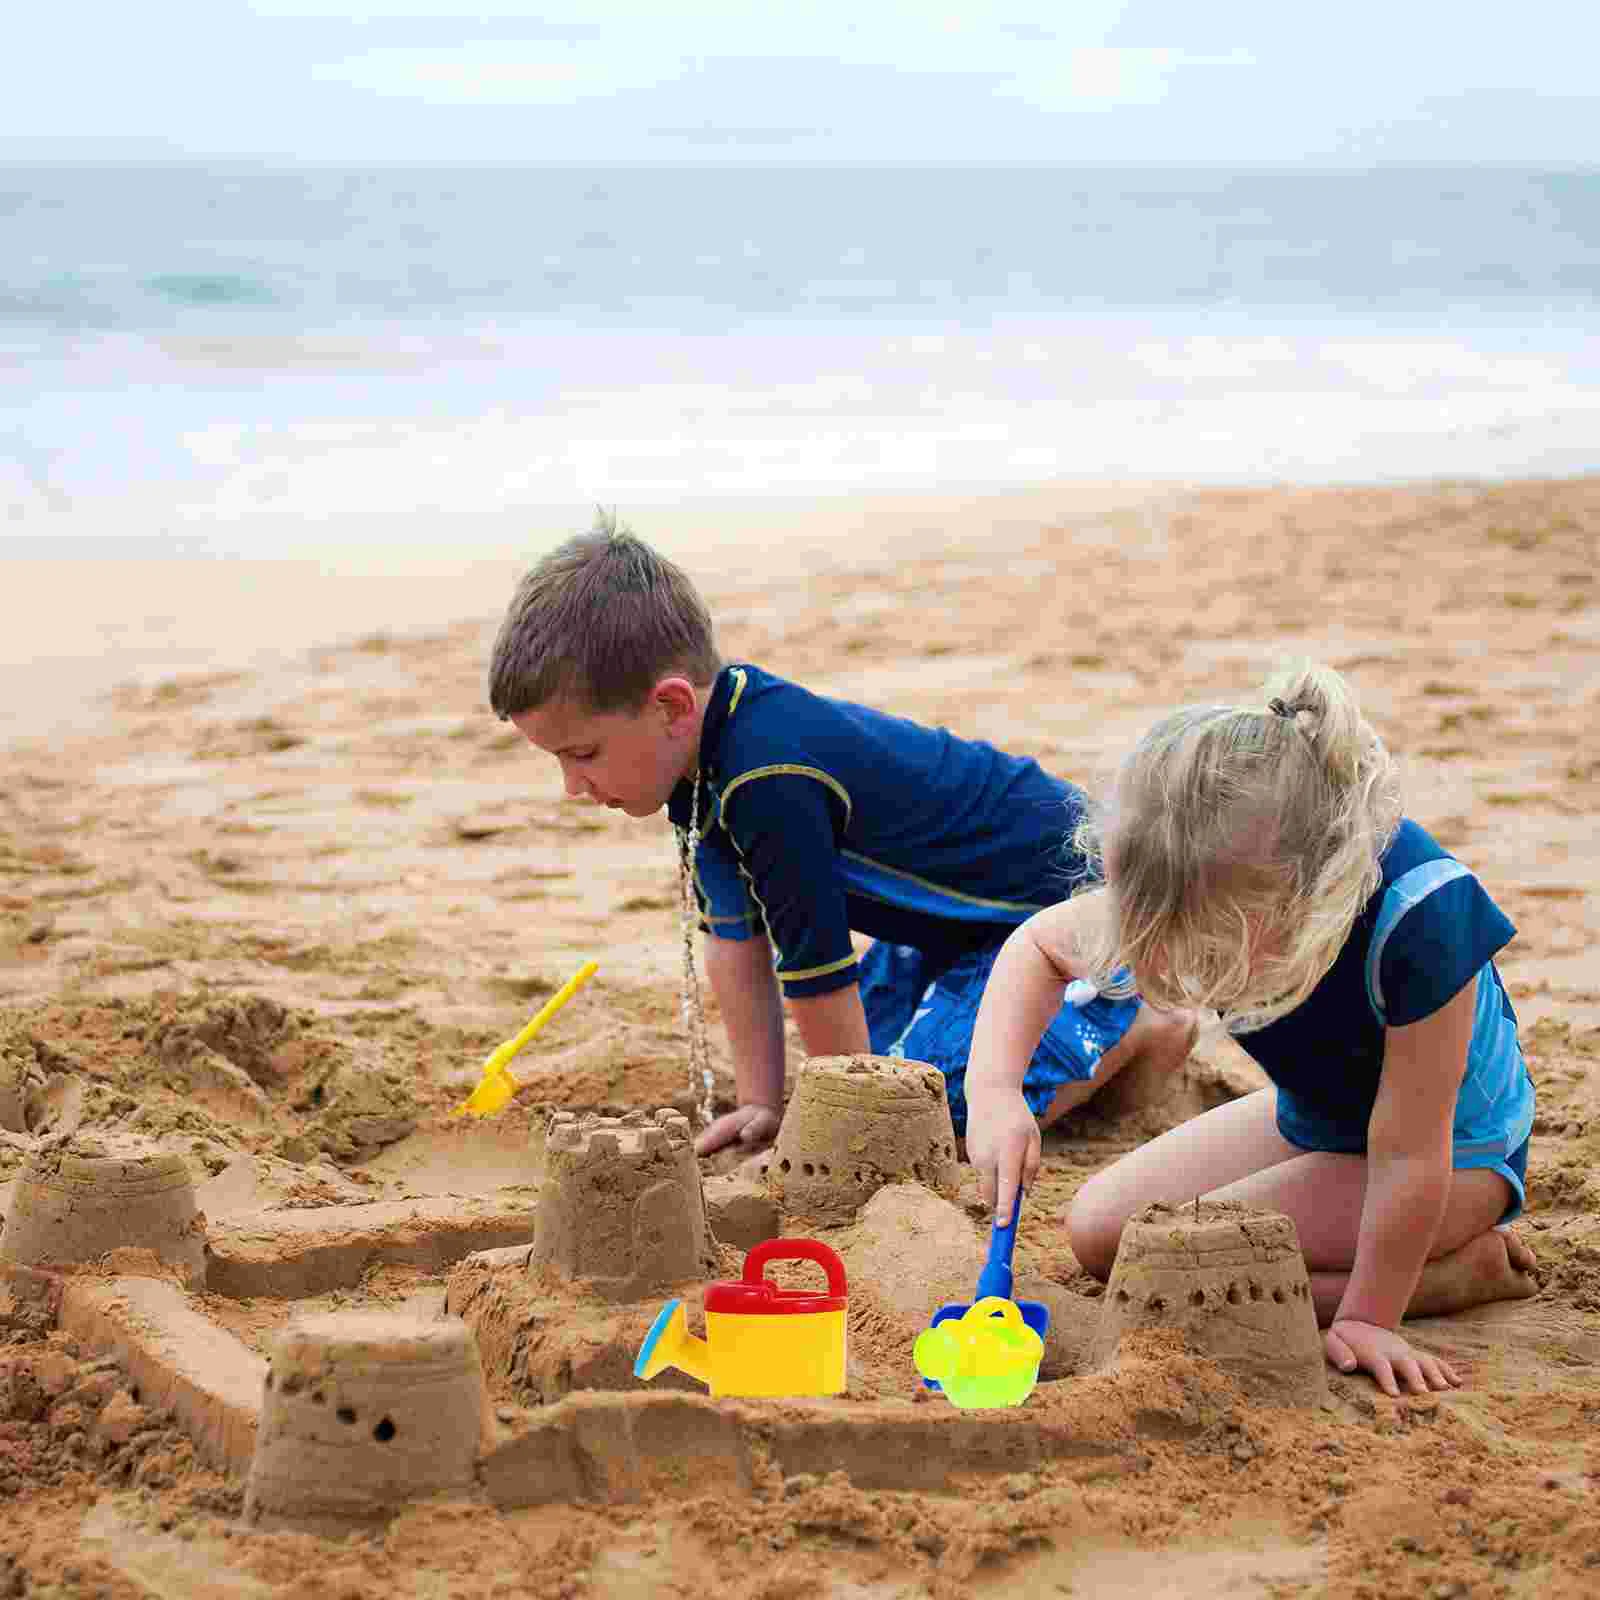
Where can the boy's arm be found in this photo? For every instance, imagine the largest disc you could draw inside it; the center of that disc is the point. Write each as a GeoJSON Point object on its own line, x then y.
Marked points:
{"type": "Point", "coordinates": [832, 1024]}
{"type": "Point", "coordinates": [783, 824]}
{"type": "Point", "coordinates": [1408, 1184]}
{"type": "Point", "coordinates": [741, 977]}
{"type": "Point", "coordinates": [746, 988]}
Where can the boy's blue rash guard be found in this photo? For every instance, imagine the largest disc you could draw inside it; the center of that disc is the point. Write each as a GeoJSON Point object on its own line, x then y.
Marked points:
{"type": "Point", "coordinates": [818, 816]}
{"type": "Point", "coordinates": [1428, 931]}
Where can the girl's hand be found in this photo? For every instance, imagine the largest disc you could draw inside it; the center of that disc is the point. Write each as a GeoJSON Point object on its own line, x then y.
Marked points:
{"type": "Point", "coordinates": [754, 1127]}
{"type": "Point", "coordinates": [1002, 1145]}
{"type": "Point", "coordinates": [1363, 1346]}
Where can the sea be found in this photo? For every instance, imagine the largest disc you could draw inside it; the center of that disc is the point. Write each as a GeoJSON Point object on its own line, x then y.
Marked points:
{"type": "Point", "coordinates": [201, 357]}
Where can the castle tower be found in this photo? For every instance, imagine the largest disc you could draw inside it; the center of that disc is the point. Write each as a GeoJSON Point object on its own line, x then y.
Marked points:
{"type": "Point", "coordinates": [855, 1124]}
{"type": "Point", "coordinates": [621, 1212]}
{"type": "Point", "coordinates": [1233, 1281]}
{"type": "Point", "coordinates": [364, 1411]}
{"type": "Point", "coordinates": [75, 1203]}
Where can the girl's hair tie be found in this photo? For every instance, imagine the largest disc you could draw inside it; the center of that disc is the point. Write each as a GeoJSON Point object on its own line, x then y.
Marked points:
{"type": "Point", "coordinates": [1281, 708]}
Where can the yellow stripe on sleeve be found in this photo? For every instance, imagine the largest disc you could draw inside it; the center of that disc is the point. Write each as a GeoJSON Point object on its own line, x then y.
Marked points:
{"type": "Point", "coordinates": [818, 972]}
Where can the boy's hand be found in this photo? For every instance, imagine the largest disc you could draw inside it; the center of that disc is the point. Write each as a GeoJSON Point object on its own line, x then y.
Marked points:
{"type": "Point", "coordinates": [755, 1127]}
{"type": "Point", "coordinates": [1002, 1145]}
{"type": "Point", "coordinates": [1364, 1346]}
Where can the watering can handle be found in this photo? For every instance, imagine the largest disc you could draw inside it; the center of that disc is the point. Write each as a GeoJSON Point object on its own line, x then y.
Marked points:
{"type": "Point", "coordinates": [796, 1250]}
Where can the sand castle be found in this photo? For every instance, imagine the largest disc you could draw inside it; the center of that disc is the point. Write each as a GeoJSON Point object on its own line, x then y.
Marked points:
{"type": "Point", "coordinates": [623, 1221]}
{"type": "Point", "coordinates": [622, 1213]}
{"type": "Point", "coordinates": [362, 1412]}
{"type": "Point", "coordinates": [77, 1203]}
{"type": "Point", "coordinates": [1233, 1282]}
{"type": "Point", "coordinates": [856, 1123]}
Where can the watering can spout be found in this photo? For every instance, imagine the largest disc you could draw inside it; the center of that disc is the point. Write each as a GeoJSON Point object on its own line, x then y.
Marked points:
{"type": "Point", "coordinates": [670, 1344]}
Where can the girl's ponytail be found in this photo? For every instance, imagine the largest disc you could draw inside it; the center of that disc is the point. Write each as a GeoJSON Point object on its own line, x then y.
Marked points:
{"type": "Point", "coordinates": [1319, 702]}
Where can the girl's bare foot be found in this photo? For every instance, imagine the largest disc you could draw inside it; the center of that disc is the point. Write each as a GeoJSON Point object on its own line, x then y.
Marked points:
{"type": "Point", "coordinates": [1497, 1265]}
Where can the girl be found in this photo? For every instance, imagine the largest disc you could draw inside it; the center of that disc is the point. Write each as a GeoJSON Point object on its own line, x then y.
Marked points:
{"type": "Point", "coordinates": [1255, 862]}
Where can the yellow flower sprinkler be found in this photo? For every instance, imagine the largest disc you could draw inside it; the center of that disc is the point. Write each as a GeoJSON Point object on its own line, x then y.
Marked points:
{"type": "Point", "coordinates": [989, 1357]}
{"type": "Point", "coordinates": [497, 1086]}
{"type": "Point", "coordinates": [988, 1353]}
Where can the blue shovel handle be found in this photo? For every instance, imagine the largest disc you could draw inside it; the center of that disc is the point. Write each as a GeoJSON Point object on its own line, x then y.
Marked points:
{"type": "Point", "coordinates": [995, 1279]}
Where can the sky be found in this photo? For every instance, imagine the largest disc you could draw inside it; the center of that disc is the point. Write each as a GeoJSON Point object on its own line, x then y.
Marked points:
{"type": "Point", "coordinates": [1229, 81]}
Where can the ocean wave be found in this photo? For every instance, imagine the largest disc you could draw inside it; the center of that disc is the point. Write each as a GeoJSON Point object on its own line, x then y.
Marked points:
{"type": "Point", "coordinates": [210, 289]}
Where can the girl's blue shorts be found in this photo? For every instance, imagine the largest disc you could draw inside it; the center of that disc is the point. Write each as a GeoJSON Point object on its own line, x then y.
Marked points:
{"type": "Point", "coordinates": [923, 1007]}
{"type": "Point", "coordinates": [1309, 1129]}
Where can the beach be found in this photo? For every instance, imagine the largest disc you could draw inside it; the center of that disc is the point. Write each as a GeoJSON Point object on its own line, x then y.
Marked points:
{"type": "Point", "coordinates": [271, 790]}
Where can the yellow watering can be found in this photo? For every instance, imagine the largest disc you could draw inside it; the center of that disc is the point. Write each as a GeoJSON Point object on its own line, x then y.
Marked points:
{"type": "Point", "coordinates": [989, 1357]}
{"type": "Point", "coordinates": [760, 1339]}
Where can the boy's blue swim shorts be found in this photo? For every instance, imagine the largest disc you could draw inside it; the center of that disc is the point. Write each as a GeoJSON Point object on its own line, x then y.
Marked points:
{"type": "Point", "coordinates": [924, 1009]}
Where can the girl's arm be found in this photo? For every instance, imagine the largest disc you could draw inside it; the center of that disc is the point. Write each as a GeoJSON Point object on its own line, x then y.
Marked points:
{"type": "Point", "coordinates": [1408, 1179]}
{"type": "Point", "coordinates": [1023, 993]}
{"type": "Point", "coordinates": [1031, 973]}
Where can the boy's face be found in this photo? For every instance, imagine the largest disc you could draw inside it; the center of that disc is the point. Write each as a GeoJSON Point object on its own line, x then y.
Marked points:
{"type": "Point", "coordinates": [626, 760]}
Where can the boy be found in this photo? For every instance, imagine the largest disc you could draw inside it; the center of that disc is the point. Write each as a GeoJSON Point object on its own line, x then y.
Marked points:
{"type": "Point", "coordinates": [810, 818]}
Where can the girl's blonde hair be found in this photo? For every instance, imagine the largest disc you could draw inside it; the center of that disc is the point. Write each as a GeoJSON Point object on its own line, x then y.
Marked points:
{"type": "Point", "coordinates": [1243, 843]}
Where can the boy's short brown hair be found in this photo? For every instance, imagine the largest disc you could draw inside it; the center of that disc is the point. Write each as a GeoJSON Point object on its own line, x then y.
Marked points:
{"type": "Point", "coordinates": [601, 619]}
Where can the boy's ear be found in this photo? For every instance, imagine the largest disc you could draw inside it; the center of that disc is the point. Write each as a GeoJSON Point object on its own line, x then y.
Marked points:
{"type": "Point", "coordinates": [676, 698]}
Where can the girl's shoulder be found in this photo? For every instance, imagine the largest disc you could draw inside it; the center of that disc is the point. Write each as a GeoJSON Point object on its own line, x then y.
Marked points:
{"type": "Point", "coordinates": [1432, 926]}
{"type": "Point", "coordinates": [1411, 847]}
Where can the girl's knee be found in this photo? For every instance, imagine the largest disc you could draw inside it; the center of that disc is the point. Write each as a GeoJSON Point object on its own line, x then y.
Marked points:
{"type": "Point", "coordinates": [1094, 1227]}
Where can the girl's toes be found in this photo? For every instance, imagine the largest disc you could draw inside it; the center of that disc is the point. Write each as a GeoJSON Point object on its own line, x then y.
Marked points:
{"type": "Point", "coordinates": [1517, 1252]}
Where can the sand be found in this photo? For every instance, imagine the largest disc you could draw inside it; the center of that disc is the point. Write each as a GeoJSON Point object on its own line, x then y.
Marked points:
{"type": "Point", "coordinates": [268, 895]}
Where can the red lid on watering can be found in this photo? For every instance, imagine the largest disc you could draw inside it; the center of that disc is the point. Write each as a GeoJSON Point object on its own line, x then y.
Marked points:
{"type": "Point", "coordinates": [754, 1296]}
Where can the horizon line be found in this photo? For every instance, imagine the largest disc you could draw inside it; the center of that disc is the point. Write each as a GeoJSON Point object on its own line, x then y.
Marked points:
{"type": "Point", "coordinates": [896, 163]}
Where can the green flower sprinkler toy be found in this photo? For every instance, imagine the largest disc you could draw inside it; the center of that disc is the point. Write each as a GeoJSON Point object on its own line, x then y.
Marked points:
{"type": "Point", "coordinates": [989, 1357]}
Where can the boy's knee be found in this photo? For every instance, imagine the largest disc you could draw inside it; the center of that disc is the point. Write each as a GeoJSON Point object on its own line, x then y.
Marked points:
{"type": "Point", "coordinates": [1094, 1228]}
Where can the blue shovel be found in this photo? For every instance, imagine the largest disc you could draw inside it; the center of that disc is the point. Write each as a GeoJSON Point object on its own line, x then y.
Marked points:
{"type": "Point", "coordinates": [995, 1279]}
